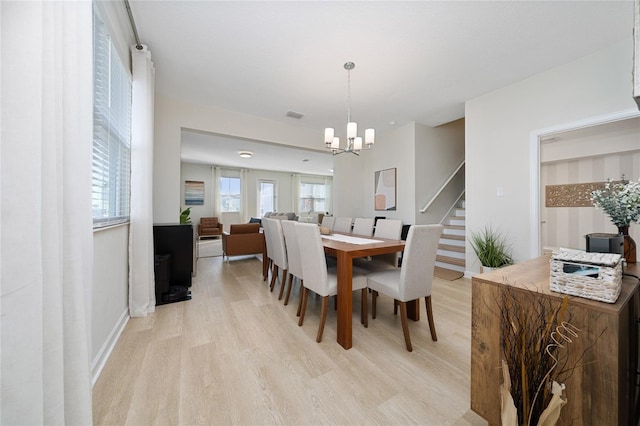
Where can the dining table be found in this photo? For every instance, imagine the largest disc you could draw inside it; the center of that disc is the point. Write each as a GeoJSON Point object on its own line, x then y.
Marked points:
{"type": "Point", "coordinates": [345, 248]}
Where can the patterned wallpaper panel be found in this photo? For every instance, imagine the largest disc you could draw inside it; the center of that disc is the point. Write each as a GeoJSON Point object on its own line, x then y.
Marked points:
{"type": "Point", "coordinates": [567, 214]}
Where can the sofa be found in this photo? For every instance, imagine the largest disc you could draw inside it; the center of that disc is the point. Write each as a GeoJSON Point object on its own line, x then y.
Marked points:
{"type": "Point", "coordinates": [281, 215]}
{"type": "Point", "coordinates": [243, 239]}
{"type": "Point", "coordinates": [209, 227]}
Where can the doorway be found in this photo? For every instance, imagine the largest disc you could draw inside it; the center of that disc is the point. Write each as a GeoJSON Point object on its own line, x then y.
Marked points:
{"type": "Point", "coordinates": [583, 152]}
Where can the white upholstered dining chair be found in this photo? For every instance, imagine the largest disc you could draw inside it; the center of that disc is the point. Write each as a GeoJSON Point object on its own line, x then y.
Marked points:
{"type": "Point", "coordinates": [414, 279]}
{"type": "Point", "coordinates": [276, 251]}
{"type": "Point", "coordinates": [293, 256]}
{"type": "Point", "coordinates": [342, 224]}
{"type": "Point", "coordinates": [328, 221]}
{"type": "Point", "coordinates": [385, 228]}
{"type": "Point", "coordinates": [362, 226]}
{"type": "Point", "coordinates": [320, 279]}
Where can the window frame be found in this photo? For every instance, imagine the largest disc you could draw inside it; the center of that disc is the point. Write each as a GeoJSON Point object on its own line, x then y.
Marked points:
{"type": "Point", "coordinates": [314, 207]}
{"type": "Point", "coordinates": [237, 196]}
{"type": "Point", "coordinates": [274, 182]}
{"type": "Point", "coordinates": [111, 143]}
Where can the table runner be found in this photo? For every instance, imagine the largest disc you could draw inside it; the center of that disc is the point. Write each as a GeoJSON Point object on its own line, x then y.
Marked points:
{"type": "Point", "coordinates": [349, 239]}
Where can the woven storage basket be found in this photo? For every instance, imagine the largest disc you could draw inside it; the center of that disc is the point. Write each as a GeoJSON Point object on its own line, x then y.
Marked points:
{"type": "Point", "coordinates": [596, 276]}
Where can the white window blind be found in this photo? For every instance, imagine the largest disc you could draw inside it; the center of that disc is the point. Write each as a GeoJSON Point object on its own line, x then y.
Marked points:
{"type": "Point", "coordinates": [111, 132]}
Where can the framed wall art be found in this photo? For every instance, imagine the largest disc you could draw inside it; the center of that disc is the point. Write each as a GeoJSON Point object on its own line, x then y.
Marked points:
{"type": "Point", "coordinates": [385, 190]}
{"type": "Point", "coordinates": [193, 193]}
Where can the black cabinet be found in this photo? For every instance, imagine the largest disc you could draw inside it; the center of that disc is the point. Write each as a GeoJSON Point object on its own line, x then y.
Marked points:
{"type": "Point", "coordinates": [174, 247]}
{"type": "Point", "coordinates": [162, 270]}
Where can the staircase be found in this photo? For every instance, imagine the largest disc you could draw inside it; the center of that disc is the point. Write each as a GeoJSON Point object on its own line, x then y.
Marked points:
{"type": "Point", "coordinates": [450, 258]}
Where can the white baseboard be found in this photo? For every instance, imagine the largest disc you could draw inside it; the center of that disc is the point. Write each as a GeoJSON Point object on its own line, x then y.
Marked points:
{"type": "Point", "coordinates": [105, 351]}
{"type": "Point", "coordinates": [470, 274]}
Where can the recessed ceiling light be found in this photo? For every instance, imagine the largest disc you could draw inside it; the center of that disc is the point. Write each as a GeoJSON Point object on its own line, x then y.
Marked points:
{"type": "Point", "coordinates": [245, 154]}
{"type": "Point", "coordinates": [305, 160]}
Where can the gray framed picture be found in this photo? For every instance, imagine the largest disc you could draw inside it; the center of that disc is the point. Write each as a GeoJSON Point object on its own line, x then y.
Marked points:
{"type": "Point", "coordinates": [385, 190]}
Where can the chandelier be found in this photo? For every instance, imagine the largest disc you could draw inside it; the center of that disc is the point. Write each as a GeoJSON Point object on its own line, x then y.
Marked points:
{"type": "Point", "coordinates": [354, 142]}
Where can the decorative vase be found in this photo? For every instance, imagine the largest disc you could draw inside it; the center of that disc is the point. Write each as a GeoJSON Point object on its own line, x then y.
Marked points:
{"type": "Point", "coordinates": [629, 244]}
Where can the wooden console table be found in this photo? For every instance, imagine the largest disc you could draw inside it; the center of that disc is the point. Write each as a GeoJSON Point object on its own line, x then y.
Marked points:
{"type": "Point", "coordinates": [601, 391]}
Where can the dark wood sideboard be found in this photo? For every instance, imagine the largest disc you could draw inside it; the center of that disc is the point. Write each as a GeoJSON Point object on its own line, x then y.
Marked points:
{"type": "Point", "coordinates": [603, 389]}
{"type": "Point", "coordinates": [177, 241]}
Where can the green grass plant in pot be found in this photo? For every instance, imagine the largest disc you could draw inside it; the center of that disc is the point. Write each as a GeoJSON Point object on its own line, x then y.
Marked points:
{"type": "Point", "coordinates": [491, 248]}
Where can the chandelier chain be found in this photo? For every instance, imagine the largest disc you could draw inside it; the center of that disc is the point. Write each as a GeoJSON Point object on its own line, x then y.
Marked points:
{"type": "Point", "coordinates": [348, 95]}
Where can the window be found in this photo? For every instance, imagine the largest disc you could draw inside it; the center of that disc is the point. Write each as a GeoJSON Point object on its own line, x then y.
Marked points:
{"type": "Point", "coordinates": [313, 197]}
{"type": "Point", "coordinates": [266, 197]}
{"type": "Point", "coordinates": [111, 132]}
{"type": "Point", "coordinates": [229, 194]}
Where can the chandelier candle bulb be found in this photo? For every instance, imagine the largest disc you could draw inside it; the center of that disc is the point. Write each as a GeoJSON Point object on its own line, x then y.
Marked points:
{"type": "Point", "coordinates": [328, 135]}
{"type": "Point", "coordinates": [357, 143]}
{"type": "Point", "coordinates": [336, 143]}
{"type": "Point", "coordinates": [352, 130]}
{"type": "Point", "coordinates": [369, 136]}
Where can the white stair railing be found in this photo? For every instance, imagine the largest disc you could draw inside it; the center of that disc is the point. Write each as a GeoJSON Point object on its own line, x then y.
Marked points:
{"type": "Point", "coordinates": [453, 208]}
{"type": "Point", "coordinates": [444, 185]}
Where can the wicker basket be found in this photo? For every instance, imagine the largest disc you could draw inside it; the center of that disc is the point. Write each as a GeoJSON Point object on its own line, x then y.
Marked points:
{"type": "Point", "coordinates": [596, 276]}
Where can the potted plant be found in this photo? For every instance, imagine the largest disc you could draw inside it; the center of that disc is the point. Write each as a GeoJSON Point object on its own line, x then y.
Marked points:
{"type": "Point", "coordinates": [184, 215]}
{"type": "Point", "coordinates": [491, 249]}
{"type": "Point", "coordinates": [621, 201]}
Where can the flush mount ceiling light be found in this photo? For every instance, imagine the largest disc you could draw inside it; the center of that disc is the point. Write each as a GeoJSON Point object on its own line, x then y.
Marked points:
{"type": "Point", "coordinates": [245, 154]}
{"type": "Point", "coordinates": [354, 142]}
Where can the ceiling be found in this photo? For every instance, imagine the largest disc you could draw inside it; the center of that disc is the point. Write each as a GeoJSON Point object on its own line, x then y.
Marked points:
{"type": "Point", "coordinates": [415, 61]}
{"type": "Point", "coordinates": [207, 148]}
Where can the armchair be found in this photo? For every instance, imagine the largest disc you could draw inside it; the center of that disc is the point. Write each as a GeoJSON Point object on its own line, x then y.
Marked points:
{"type": "Point", "coordinates": [243, 239]}
{"type": "Point", "coordinates": [209, 227]}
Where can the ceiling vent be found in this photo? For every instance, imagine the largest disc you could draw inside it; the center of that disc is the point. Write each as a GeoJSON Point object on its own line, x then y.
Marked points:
{"type": "Point", "coordinates": [296, 115]}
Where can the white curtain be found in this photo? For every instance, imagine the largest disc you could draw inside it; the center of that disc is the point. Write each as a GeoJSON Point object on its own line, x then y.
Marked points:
{"type": "Point", "coordinates": [217, 173]}
{"type": "Point", "coordinates": [244, 196]}
{"type": "Point", "coordinates": [296, 180]}
{"type": "Point", "coordinates": [46, 236]}
{"type": "Point", "coordinates": [328, 182]}
{"type": "Point", "coordinates": [142, 299]}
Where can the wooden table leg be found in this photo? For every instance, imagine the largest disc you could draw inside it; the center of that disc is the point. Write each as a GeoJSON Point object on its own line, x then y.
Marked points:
{"type": "Point", "coordinates": [345, 299]}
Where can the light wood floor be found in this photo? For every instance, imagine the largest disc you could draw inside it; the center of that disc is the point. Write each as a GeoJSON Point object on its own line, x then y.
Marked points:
{"type": "Point", "coordinates": [234, 354]}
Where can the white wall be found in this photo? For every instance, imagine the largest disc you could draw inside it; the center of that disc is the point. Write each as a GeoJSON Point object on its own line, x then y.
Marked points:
{"type": "Point", "coordinates": [499, 124]}
{"type": "Point", "coordinates": [439, 151]}
{"type": "Point", "coordinates": [395, 148]}
{"type": "Point", "coordinates": [353, 177]}
{"type": "Point", "coordinates": [424, 158]}
{"type": "Point", "coordinates": [567, 226]}
{"type": "Point", "coordinates": [203, 173]}
{"type": "Point", "coordinates": [200, 172]}
{"type": "Point", "coordinates": [110, 297]}
{"type": "Point", "coordinates": [171, 115]}
{"type": "Point", "coordinates": [350, 184]}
